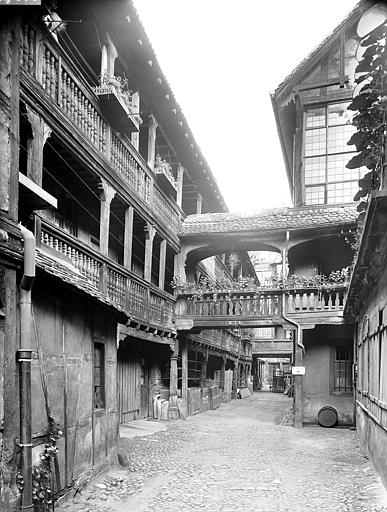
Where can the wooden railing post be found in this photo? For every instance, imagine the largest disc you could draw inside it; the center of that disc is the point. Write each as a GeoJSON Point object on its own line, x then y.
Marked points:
{"type": "Point", "coordinates": [103, 278]}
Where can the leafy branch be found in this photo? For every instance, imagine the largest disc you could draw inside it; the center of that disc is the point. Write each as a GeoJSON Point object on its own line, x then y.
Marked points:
{"type": "Point", "coordinates": [370, 104]}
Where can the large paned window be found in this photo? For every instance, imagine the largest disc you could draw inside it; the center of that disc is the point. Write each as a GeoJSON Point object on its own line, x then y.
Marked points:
{"type": "Point", "coordinates": [343, 368]}
{"type": "Point", "coordinates": [326, 153]}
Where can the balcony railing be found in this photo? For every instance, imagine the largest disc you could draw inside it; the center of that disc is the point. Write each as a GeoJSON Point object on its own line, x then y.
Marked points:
{"type": "Point", "coordinates": [234, 305]}
{"type": "Point", "coordinates": [142, 301]}
{"type": "Point", "coordinates": [258, 306]}
{"type": "Point", "coordinates": [328, 299]}
{"type": "Point", "coordinates": [78, 103]}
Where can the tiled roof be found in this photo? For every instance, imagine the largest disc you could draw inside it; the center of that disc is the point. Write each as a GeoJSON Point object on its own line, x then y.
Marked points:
{"type": "Point", "coordinates": [69, 275]}
{"type": "Point", "coordinates": [272, 219]}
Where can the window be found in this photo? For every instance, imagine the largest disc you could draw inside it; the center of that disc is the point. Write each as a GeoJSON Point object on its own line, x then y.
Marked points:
{"type": "Point", "coordinates": [343, 368]}
{"type": "Point", "coordinates": [99, 376]}
{"type": "Point", "coordinates": [264, 333]}
{"type": "Point", "coordinates": [326, 153]}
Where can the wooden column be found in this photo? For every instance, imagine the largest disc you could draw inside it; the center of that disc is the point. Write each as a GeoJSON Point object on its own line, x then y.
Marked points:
{"type": "Point", "coordinates": [222, 373]}
{"type": "Point", "coordinates": [203, 376]}
{"type": "Point", "coordinates": [235, 380]}
{"type": "Point", "coordinates": [40, 133]}
{"type": "Point", "coordinates": [152, 141]}
{"type": "Point", "coordinates": [199, 202]}
{"type": "Point", "coordinates": [107, 194]}
{"type": "Point", "coordinates": [180, 181]}
{"type": "Point", "coordinates": [163, 255]}
{"type": "Point", "coordinates": [128, 237]}
{"type": "Point", "coordinates": [150, 232]}
{"type": "Point", "coordinates": [9, 113]}
{"type": "Point", "coordinates": [184, 369]}
{"type": "Point", "coordinates": [135, 140]}
{"type": "Point", "coordinates": [297, 379]}
{"type": "Point", "coordinates": [173, 411]}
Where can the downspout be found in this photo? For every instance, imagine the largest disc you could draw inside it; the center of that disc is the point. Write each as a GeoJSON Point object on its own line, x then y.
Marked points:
{"type": "Point", "coordinates": [293, 322]}
{"type": "Point", "coordinates": [24, 359]}
{"type": "Point", "coordinates": [297, 423]}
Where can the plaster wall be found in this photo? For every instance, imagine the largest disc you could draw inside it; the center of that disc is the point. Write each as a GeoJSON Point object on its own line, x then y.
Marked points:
{"type": "Point", "coordinates": [317, 384]}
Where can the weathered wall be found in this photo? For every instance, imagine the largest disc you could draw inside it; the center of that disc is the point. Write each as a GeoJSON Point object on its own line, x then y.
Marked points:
{"type": "Point", "coordinates": [64, 332]}
{"type": "Point", "coordinates": [371, 410]}
{"type": "Point", "coordinates": [317, 384]}
{"type": "Point", "coordinates": [9, 168]}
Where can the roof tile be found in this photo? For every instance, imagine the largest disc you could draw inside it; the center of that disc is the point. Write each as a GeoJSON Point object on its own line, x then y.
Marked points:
{"type": "Point", "coordinates": [270, 219]}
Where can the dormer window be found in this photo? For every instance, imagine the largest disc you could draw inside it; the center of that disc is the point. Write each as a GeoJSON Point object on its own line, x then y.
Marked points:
{"type": "Point", "coordinates": [326, 179]}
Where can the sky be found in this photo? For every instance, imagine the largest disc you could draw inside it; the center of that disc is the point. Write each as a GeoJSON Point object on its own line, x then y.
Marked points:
{"type": "Point", "coordinates": [222, 58]}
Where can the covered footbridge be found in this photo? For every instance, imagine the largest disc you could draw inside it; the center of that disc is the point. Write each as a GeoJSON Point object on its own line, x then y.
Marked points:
{"type": "Point", "coordinates": [308, 238]}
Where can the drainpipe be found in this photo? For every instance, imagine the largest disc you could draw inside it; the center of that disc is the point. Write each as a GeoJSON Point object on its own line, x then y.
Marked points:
{"type": "Point", "coordinates": [24, 359]}
{"type": "Point", "coordinates": [298, 340]}
{"type": "Point", "coordinates": [293, 322]}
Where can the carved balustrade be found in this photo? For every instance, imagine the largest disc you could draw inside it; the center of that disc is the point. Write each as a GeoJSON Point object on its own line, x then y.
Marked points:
{"type": "Point", "coordinates": [214, 307]}
{"type": "Point", "coordinates": [139, 299]}
{"type": "Point", "coordinates": [63, 83]}
{"type": "Point", "coordinates": [233, 305]}
{"type": "Point", "coordinates": [324, 299]}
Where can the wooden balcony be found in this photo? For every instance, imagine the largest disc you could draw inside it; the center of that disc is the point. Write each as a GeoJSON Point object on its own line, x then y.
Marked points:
{"type": "Point", "coordinates": [316, 306]}
{"type": "Point", "coordinates": [164, 176]}
{"type": "Point", "coordinates": [120, 109]}
{"type": "Point", "coordinates": [259, 307]}
{"type": "Point", "coordinates": [222, 309]}
{"type": "Point", "coordinates": [272, 348]}
{"type": "Point", "coordinates": [221, 341]}
{"type": "Point", "coordinates": [56, 86]}
{"type": "Point", "coordinates": [143, 302]}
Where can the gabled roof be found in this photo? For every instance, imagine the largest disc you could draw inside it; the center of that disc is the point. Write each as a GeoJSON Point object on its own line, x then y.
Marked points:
{"type": "Point", "coordinates": [309, 60]}
{"type": "Point", "coordinates": [271, 219]}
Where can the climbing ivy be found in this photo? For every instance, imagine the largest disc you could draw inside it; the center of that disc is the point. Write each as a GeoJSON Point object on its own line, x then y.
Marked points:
{"type": "Point", "coordinates": [370, 120]}
{"type": "Point", "coordinates": [42, 492]}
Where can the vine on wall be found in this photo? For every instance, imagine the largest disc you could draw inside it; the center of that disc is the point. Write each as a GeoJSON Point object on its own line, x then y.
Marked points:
{"type": "Point", "coordinates": [370, 119]}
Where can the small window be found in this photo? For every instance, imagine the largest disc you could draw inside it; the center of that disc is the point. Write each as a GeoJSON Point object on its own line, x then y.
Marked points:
{"type": "Point", "coordinates": [343, 368]}
{"type": "Point", "coordinates": [99, 376]}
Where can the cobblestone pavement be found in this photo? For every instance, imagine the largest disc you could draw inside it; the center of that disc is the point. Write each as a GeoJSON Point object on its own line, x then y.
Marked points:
{"type": "Point", "coordinates": [239, 458]}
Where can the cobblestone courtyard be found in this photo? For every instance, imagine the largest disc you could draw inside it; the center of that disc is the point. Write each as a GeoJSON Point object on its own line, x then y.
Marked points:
{"type": "Point", "coordinates": [238, 458]}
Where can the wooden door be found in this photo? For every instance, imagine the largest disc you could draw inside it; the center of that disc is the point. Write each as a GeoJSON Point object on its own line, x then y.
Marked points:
{"type": "Point", "coordinates": [128, 397]}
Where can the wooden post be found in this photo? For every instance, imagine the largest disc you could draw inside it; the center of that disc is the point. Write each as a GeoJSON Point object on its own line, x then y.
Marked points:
{"type": "Point", "coordinates": [180, 181]}
{"type": "Point", "coordinates": [40, 133]}
{"type": "Point", "coordinates": [235, 379]}
{"type": "Point", "coordinates": [9, 113]}
{"type": "Point", "coordinates": [184, 369]}
{"type": "Point", "coordinates": [152, 141]}
{"type": "Point", "coordinates": [173, 411]}
{"type": "Point", "coordinates": [128, 237]}
{"type": "Point", "coordinates": [199, 202]}
{"type": "Point", "coordinates": [203, 376]}
{"type": "Point", "coordinates": [222, 373]}
{"type": "Point", "coordinates": [163, 255]}
{"type": "Point", "coordinates": [150, 232]}
{"type": "Point", "coordinates": [107, 194]}
{"type": "Point", "coordinates": [297, 397]}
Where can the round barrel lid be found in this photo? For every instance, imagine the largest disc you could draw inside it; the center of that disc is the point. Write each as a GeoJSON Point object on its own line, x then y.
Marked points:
{"type": "Point", "coordinates": [327, 416]}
